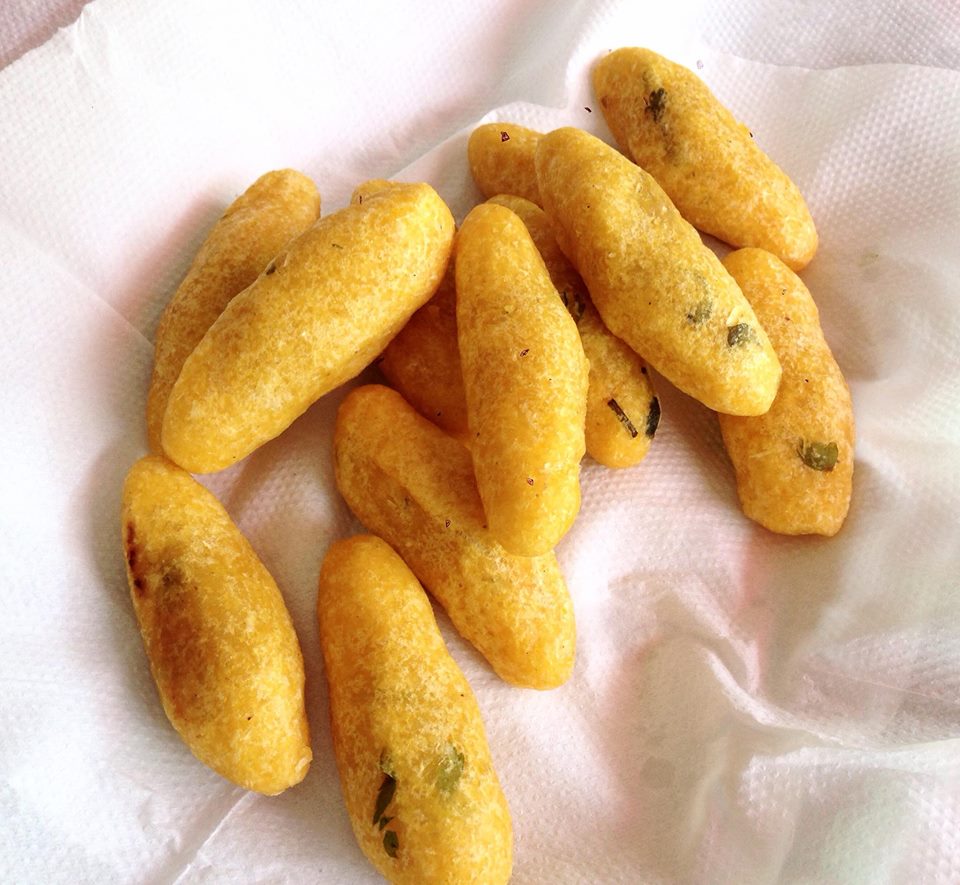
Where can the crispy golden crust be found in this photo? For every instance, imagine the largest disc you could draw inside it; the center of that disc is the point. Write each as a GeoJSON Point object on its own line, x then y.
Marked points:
{"type": "Point", "coordinates": [654, 283]}
{"type": "Point", "coordinates": [412, 484]}
{"type": "Point", "coordinates": [419, 784]}
{"type": "Point", "coordinates": [622, 410]}
{"type": "Point", "coordinates": [218, 636]}
{"type": "Point", "coordinates": [316, 316]}
{"type": "Point", "coordinates": [276, 208]}
{"type": "Point", "coordinates": [667, 120]}
{"type": "Point", "coordinates": [794, 464]}
{"type": "Point", "coordinates": [501, 158]}
{"type": "Point", "coordinates": [525, 377]}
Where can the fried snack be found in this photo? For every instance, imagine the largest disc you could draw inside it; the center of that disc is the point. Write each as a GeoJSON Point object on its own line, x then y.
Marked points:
{"type": "Point", "coordinates": [794, 464]}
{"type": "Point", "coordinates": [415, 769]}
{"type": "Point", "coordinates": [653, 281]}
{"type": "Point", "coordinates": [412, 484]}
{"type": "Point", "coordinates": [315, 317]}
{"type": "Point", "coordinates": [501, 158]}
{"type": "Point", "coordinates": [525, 377]}
{"type": "Point", "coordinates": [219, 639]}
{"type": "Point", "coordinates": [622, 410]}
{"type": "Point", "coordinates": [423, 361]}
{"type": "Point", "coordinates": [277, 207]}
{"type": "Point", "coordinates": [665, 118]}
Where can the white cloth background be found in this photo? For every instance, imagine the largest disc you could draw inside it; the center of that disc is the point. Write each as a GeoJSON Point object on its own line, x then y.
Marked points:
{"type": "Point", "coordinates": [746, 708]}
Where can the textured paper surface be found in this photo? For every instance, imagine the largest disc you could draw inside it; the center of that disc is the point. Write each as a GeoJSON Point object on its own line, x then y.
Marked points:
{"type": "Point", "coordinates": [745, 707]}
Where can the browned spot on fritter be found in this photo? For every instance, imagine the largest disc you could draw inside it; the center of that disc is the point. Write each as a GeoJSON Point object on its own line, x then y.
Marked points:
{"type": "Point", "coordinates": [130, 543]}
{"type": "Point", "coordinates": [133, 560]}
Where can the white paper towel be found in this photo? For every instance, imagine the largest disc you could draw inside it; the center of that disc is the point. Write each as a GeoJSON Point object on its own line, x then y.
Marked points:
{"type": "Point", "coordinates": [745, 707]}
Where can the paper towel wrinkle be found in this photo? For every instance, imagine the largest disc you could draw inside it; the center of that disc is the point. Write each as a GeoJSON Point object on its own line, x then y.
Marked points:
{"type": "Point", "coordinates": [740, 671]}
{"type": "Point", "coordinates": [824, 35]}
{"type": "Point", "coordinates": [26, 24]}
{"type": "Point", "coordinates": [861, 843]}
{"type": "Point", "coordinates": [671, 764]}
{"type": "Point", "coordinates": [675, 665]}
{"type": "Point", "coordinates": [180, 860]}
{"type": "Point", "coordinates": [94, 48]}
{"type": "Point", "coordinates": [739, 751]}
{"type": "Point", "coordinates": [790, 621]}
{"type": "Point", "coordinates": [547, 65]}
{"type": "Point", "coordinates": [29, 250]}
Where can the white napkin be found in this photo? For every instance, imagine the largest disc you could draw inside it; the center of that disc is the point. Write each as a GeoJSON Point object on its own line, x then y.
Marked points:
{"type": "Point", "coordinates": [745, 707]}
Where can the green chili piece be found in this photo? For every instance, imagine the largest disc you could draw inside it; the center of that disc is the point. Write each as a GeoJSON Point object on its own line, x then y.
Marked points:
{"type": "Point", "coordinates": [450, 768]}
{"type": "Point", "coordinates": [391, 843]}
{"type": "Point", "coordinates": [818, 455]}
{"type": "Point", "coordinates": [653, 418]}
{"type": "Point", "coordinates": [577, 308]}
{"type": "Point", "coordinates": [623, 418]}
{"type": "Point", "coordinates": [656, 103]}
{"type": "Point", "coordinates": [700, 312]}
{"type": "Point", "coordinates": [384, 797]}
{"type": "Point", "coordinates": [739, 334]}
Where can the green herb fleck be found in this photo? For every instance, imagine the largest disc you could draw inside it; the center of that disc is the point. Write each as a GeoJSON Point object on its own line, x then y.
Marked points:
{"type": "Point", "coordinates": [623, 418]}
{"type": "Point", "coordinates": [656, 103]}
{"type": "Point", "coordinates": [449, 769]}
{"type": "Point", "coordinates": [739, 334]}
{"type": "Point", "coordinates": [384, 797]}
{"type": "Point", "coordinates": [818, 455]}
{"type": "Point", "coordinates": [391, 843]}
{"type": "Point", "coordinates": [700, 312]}
{"type": "Point", "coordinates": [575, 305]}
{"type": "Point", "coordinates": [172, 577]}
{"type": "Point", "coordinates": [653, 418]}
